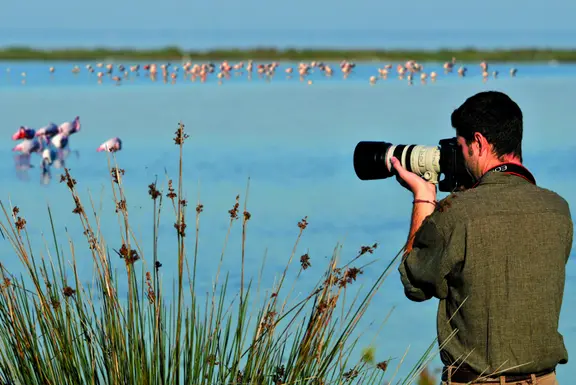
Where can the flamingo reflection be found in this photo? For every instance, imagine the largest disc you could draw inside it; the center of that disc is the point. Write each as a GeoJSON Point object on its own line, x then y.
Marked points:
{"type": "Point", "coordinates": [51, 158]}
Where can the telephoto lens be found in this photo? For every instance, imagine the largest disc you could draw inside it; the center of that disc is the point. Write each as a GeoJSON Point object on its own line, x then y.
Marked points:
{"type": "Point", "coordinates": [373, 160]}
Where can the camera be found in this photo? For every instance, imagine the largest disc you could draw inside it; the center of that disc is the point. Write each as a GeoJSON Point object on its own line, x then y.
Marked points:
{"type": "Point", "coordinates": [372, 160]}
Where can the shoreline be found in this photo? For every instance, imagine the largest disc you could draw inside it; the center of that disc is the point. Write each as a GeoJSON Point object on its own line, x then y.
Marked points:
{"type": "Point", "coordinates": [520, 55]}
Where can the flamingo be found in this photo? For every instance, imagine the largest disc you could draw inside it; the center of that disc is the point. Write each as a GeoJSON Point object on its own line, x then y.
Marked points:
{"type": "Point", "coordinates": [111, 145]}
{"type": "Point", "coordinates": [48, 156]}
{"type": "Point", "coordinates": [69, 128]}
{"type": "Point", "coordinates": [59, 141]}
{"type": "Point", "coordinates": [49, 130]}
{"type": "Point", "coordinates": [24, 133]}
{"type": "Point", "coordinates": [29, 146]}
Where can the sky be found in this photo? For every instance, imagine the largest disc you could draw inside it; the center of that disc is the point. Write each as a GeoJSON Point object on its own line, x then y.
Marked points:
{"type": "Point", "coordinates": [225, 23]}
{"type": "Point", "coordinates": [293, 14]}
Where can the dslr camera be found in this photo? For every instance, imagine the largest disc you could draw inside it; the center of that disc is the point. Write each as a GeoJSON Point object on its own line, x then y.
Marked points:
{"type": "Point", "coordinates": [372, 160]}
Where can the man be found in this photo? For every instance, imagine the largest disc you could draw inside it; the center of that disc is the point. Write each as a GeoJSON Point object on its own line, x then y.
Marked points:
{"type": "Point", "coordinates": [494, 255]}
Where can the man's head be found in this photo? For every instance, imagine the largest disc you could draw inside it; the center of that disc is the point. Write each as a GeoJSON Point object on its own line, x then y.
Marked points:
{"type": "Point", "coordinates": [489, 131]}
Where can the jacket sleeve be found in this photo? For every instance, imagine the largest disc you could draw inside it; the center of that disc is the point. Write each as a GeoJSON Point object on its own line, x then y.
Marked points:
{"type": "Point", "coordinates": [435, 254]}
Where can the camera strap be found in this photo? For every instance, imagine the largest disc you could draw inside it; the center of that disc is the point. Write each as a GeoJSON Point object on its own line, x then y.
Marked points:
{"type": "Point", "coordinates": [512, 169]}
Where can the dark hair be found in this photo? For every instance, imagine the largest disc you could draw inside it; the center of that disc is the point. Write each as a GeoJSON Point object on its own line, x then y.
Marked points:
{"type": "Point", "coordinates": [494, 115]}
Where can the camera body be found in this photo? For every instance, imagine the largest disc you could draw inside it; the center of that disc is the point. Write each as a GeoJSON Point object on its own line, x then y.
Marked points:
{"type": "Point", "coordinates": [372, 161]}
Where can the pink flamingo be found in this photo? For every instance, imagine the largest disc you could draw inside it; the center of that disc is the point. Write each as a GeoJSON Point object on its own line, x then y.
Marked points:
{"type": "Point", "coordinates": [24, 133]}
{"type": "Point", "coordinates": [49, 130]}
{"type": "Point", "coordinates": [69, 128]}
{"type": "Point", "coordinates": [29, 146]}
{"type": "Point", "coordinates": [111, 145]}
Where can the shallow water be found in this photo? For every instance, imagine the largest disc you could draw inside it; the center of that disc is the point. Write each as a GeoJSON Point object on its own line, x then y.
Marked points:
{"type": "Point", "coordinates": [295, 142]}
{"type": "Point", "coordinates": [37, 74]}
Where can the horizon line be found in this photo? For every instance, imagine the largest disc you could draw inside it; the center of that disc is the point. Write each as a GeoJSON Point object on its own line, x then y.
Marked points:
{"type": "Point", "coordinates": [256, 48]}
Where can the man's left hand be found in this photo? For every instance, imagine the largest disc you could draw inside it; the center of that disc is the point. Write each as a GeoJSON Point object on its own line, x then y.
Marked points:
{"type": "Point", "coordinates": [419, 187]}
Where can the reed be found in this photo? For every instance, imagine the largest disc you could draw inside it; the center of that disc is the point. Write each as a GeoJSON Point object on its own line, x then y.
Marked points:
{"type": "Point", "coordinates": [57, 330]}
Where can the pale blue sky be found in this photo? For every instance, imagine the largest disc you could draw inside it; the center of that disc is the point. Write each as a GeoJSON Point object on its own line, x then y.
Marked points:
{"type": "Point", "coordinates": [290, 14]}
{"type": "Point", "coordinates": [289, 23]}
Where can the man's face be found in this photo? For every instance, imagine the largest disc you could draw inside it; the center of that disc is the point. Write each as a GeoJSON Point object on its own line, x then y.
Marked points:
{"type": "Point", "coordinates": [470, 156]}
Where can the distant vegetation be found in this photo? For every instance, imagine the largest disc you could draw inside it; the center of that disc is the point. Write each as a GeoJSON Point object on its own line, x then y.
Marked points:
{"type": "Point", "coordinates": [175, 53]}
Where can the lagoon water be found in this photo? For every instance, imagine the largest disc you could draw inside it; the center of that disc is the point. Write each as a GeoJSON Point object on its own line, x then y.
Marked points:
{"type": "Point", "coordinates": [295, 142]}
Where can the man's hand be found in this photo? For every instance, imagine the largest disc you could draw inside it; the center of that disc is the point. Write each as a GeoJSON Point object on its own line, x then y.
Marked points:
{"type": "Point", "coordinates": [419, 187]}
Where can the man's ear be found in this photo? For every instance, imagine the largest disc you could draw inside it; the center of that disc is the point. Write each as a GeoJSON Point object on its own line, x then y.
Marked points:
{"type": "Point", "coordinates": [482, 143]}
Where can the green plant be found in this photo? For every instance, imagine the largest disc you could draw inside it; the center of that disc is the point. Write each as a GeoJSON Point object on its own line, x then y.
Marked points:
{"type": "Point", "coordinates": [54, 330]}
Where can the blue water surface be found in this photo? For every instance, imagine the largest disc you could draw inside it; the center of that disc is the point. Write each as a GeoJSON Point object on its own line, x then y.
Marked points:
{"type": "Point", "coordinates": [294, 141]}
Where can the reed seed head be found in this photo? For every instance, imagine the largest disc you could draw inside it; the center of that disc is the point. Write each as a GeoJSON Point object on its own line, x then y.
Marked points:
{"type": "Point", "coordinates": [180, 229]}
{"type": "Point", "coordinates": [180, 135]}
{"type": "Point", "coordinates": [68, 291]}
{"type": "Point", "coordinates": [129, 255]}
{"type": "Point", "coordinates": [211, 359]}
{"type": "Point", "coordinates": [351, 374]}
{"type": "Point", "coordinates": [92, 241]}
{"type": "Point", "coordinates": [20, 223]}
{"type": "Point", "coordinates": [171, 192]}
{"type": "Point", "coordinates": [67, 178]}
{"type": "Point", "coordinates": [367, 249]}
{"type": "Point", "coordinates": [279, 375]}
{"type": "Point", "coordinates": [240, 377]}
{"type": "Point", "coordinates": [7, 282]}
{"type": "Point", "coordinates": [305, 261]}
{"type": "Point", "coordinates": [342, 277]}
{"type": "Point", "coordinates": [234, 211]}
{"type": "Point", "coordinates": [55, 303]}
{"type": "Point", "coordinates": [268, 321]}
{"type": "Point", "coordinates": [199, 208]}
{"type": "Point", "coordinates": [349, 276]}
{"type": "Point", "coordinates": [382, 365]}
{"type": "Point", "coordinates": [303, 223]}
{"type": "Point", "coordinates": [116, 173]}
{"type": "Point", "coordinates": [78, 206]}
{"type": "Point", "coordinates": [153, 191]}
{"type": "Point", "coordinates": [121, 205]}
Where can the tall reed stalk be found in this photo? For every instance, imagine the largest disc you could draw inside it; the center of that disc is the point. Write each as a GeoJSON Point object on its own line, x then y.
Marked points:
{"type": "Point", "coordinates": [55, 329]}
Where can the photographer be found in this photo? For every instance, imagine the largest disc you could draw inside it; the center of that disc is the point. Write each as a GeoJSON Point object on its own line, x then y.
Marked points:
{"type": "Point", "coordinates": [494, 255]}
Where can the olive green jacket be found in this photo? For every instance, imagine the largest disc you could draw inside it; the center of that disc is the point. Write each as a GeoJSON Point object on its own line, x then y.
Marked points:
{"type": "Point", "coordinates": [495, 256]}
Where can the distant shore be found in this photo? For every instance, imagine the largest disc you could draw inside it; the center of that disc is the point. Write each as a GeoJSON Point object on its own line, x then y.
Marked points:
{"type": "Point", "coordinates": [261, 54]}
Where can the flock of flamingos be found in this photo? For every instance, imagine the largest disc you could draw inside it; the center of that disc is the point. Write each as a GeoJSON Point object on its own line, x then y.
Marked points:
{"type": "Point", "coordinates": [51, 142]}
{"type": "Point", "coordinates": [193, 71]}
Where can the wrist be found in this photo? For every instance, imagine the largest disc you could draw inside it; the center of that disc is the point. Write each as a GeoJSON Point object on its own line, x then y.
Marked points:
{"type": "Point", "coordinates": [430, 202]}
{"type": "Point", "coordinates": [425, 197]}
{"type": "Point", "coordinates": [427, 192]}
